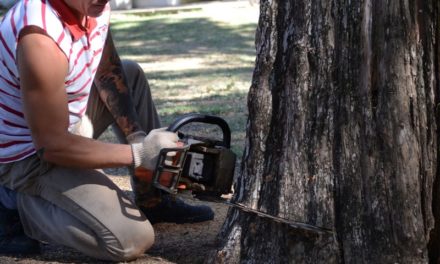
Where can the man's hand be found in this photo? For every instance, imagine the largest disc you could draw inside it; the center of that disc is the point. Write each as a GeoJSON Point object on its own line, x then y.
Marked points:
{"type": "Point", "coordinates": [146, 153]}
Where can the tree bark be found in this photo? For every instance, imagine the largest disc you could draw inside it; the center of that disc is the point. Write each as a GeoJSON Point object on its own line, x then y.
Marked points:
{"type": "Point", "coordinates": [342, 134]}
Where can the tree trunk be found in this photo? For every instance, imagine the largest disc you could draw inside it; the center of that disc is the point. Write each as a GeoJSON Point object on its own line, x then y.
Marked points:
{"type": "Point", "coordinates": [342, 134]}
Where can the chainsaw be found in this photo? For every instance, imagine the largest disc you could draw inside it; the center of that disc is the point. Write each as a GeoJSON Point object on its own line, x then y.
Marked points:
{"type": "Point", "coordinates": [204, 165]}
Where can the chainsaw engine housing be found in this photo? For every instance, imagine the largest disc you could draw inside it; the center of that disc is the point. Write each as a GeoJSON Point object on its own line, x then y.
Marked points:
{"type": "Point", "coordinates": [208, 165]}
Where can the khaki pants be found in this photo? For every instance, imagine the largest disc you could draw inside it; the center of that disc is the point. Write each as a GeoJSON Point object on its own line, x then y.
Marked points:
{"type": "Point", "coordinates": [80, 208]}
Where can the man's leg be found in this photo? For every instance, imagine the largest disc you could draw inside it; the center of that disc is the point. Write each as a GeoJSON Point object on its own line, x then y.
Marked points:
{"type": "Point", "coordinates": [85, 210]}
{"type": "Point", "coordinates": [12, 237]}
{"type": "Point", "coordinates": [82, 209]}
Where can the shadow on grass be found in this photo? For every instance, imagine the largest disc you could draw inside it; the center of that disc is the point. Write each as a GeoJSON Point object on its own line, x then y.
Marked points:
{"type": "Point", "coordinates": [166, 75]}
{"type": "Point", "coordinates": [230, 104]}
{"type": "Point", "coordinates": [164, 36]}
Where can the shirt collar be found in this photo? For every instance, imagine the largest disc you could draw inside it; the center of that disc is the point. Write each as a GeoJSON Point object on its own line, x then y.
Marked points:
{"type": "Point", "coordinates": [71, 21]}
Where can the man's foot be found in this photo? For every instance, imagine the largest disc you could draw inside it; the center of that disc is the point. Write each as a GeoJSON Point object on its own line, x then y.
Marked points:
{"type": "Point", "coordinates": [174, 210]}
{"type": "Point", "coordinates": [19, 245]}
{"type": "Point", "coordinates": [13, 240]}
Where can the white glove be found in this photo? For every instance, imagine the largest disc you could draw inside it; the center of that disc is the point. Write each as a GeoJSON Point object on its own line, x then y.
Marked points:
{"type": "Point", "coordinates": [146, 153]}
{"type": "Point", "coordinates": [136, 137]}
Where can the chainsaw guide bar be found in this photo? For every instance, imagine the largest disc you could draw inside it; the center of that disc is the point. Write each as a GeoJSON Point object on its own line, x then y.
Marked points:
{"type": "Point", "coordinates": [292, 224]}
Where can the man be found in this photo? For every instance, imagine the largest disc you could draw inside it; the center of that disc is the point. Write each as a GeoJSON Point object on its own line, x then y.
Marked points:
{"type": "Point", "coordinates": [61, 85]}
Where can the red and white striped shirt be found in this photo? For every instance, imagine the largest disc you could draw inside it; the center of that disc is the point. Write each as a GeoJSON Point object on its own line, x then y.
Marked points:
{"type": "Point", "coordinates": [82, 47]}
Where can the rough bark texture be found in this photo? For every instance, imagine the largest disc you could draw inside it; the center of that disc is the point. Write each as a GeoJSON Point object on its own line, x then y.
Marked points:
{"type": "Point", "coordinates": [342, 133]}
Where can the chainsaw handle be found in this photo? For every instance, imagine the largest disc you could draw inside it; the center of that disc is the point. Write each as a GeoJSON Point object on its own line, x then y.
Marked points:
{"type": "Point", "coordinates": [209, 119]}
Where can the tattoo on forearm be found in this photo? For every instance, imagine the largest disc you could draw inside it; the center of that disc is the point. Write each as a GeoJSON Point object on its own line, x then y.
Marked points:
{"type": "Point", "coordinates": [113, 90]}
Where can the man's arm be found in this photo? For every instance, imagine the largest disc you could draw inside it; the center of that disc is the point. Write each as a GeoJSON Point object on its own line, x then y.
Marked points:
{"type": "Point", "coordinates": [43, 68]}
{"type": "Point", "coordinates": [112, 87]}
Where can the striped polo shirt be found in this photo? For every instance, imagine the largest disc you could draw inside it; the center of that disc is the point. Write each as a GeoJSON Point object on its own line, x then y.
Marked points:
{"type": "Point", "coordinates": [82, 47]}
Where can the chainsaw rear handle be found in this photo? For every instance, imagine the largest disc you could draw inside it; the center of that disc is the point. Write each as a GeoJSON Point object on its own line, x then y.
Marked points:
{"type": "Point", "coordinates": [209, 119]}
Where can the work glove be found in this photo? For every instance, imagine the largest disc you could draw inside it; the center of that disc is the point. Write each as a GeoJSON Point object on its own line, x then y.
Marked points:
{"type": "Point", "coordinates": [136, 137]}
{"type": "Point", "coordinates": [146, 152]}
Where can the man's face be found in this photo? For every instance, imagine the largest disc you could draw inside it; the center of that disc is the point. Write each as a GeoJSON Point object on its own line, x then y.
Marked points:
{"type": "Point", "coordinates": [92, 8]}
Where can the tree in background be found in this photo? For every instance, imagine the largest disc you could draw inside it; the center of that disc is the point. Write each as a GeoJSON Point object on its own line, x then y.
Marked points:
{"type": "Point", "coordinates": [342, 134]}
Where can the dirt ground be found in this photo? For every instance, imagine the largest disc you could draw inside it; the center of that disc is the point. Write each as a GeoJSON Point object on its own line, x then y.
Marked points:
{"type": "Point", "coordinates": [185, 243]}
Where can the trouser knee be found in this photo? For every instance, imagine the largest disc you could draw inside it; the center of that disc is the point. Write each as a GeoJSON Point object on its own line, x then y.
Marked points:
{"type": "Point", "coordinates": [133, 245]}
{"type": "Point", "coordinates": [132, 69]}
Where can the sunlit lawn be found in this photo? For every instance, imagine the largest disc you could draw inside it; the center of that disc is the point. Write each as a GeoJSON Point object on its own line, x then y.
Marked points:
{"type": "Point", "coordinates": [198, 60]}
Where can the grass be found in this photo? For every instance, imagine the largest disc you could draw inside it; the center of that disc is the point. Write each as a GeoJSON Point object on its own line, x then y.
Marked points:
{"type": "Point", "coordinates": [198, 60]}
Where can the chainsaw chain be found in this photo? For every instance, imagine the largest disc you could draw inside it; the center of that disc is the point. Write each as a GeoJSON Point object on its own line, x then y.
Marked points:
{"type": "Point", "coordinates": [293, 224]}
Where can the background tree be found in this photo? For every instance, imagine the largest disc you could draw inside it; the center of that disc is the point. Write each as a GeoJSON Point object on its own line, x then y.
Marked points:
{"type": "Point", "coordinates": [342, 133]}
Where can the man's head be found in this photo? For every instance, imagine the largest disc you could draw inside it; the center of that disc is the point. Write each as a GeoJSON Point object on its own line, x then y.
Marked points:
{"type": "Point", "coordinates": [91, 8]}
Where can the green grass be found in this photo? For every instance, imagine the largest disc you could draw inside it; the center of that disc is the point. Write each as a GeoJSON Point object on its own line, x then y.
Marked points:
{"type": "Point", "coordinates": [199, 60]}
